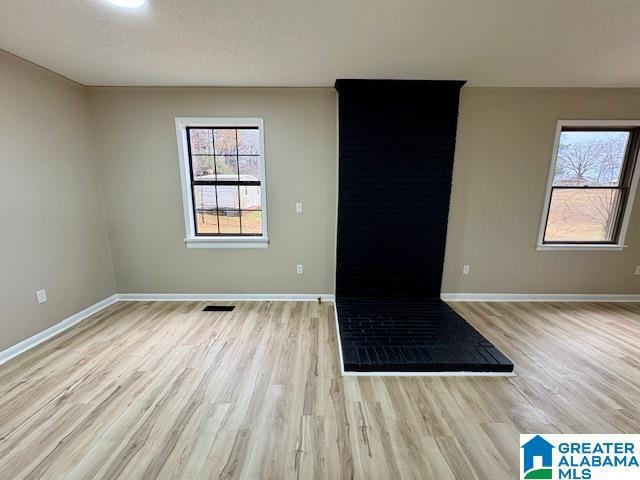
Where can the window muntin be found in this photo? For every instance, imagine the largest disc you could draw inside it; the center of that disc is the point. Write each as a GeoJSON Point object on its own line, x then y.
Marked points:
{"type": "Point", "coordinates": [226, 180]}
{"type": "Point", "coordinates": [590, 185]}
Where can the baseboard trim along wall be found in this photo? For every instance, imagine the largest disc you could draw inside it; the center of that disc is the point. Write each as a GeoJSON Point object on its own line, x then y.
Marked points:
{"type": "Point", "coordinates": [56, 329]}
{"type": "Point", "coordinates": [240, 297]}
{"type": "Point", "coordinates": [525, 297]}
{"type": "Point", "coordinates": [60, 327]}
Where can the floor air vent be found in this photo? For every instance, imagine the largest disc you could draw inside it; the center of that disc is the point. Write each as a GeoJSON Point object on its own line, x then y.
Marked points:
{"type": "Point", "coordinates": [219, 308]}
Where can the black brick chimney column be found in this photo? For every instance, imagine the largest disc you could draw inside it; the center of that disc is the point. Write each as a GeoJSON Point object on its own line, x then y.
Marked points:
{"type": "Point", "coordinates": [396, 147]}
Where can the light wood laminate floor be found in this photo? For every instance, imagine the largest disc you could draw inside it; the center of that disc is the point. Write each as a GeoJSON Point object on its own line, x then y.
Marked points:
{"type": "Point", "coordinates": [164, 390]}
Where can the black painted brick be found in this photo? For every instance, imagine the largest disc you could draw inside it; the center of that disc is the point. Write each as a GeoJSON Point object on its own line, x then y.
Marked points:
{"type": "Point", "coordinates": [396, 144]}
{"type": "Point", "coordinates": [427, 335]}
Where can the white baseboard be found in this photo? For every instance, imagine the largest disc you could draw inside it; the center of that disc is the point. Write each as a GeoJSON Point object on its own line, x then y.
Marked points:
{"type": "Point", "coordinates": [525, 297]}
{"type": "Point", "coordinates": [227, 297]}
{"type": "Point", "coordinates": [60, 327]}
{"type": "Point", "coordinates": [54, 330]}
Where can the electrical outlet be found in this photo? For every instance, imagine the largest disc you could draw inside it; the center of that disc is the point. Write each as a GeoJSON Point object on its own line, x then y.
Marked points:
{"type": "Point", "coordinates": [465, 269]}
{"type": "Point", "coordinates": [637, 269]}
{"type": "Point", "coordinates": [41, 296]}
{"type": "Point", "coordinates": [298, 207]}
{"type": "Point", "coordinates": [299, 269]}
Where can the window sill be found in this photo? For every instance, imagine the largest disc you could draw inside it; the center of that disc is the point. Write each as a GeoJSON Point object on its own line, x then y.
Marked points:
{"type": "Point", "coordinates": [582, 247]}
{"type": "Point", "coordinates": [227, 242]}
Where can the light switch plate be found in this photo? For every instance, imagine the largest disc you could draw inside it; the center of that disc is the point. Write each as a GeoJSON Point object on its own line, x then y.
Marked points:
{"type": "Point", "coordinates": [41, 296]}
{"type": "Point", "coordinates": [298, 207]}
{"type": "Point", "coordinates": [299, 269]}
{"type": "Point", "coordinates": [637, 269]}
{"type": "Point", "coordinates": [465, 269]}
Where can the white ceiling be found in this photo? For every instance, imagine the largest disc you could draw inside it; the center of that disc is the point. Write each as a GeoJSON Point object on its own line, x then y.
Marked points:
{"type": "Point", "coordinates": [313, 42]}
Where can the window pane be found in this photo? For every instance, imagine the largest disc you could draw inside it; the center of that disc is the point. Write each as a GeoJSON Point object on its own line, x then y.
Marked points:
{"type": "Point", "coordinates": [224, 156]}
{"type": "Point", "coordinates": [250, 198]}
{"type": "Point", "coordinates": [582, 215]}
{"type": "Point", "coordinates": [205, 197]}
{"type": "Point", "coordinates": [203, 167]}
{"type": "Point", "coordinates": [229, 221]}
{"type": "Point", "coordinates": [205, 202]}
{"type": "Point", "coordinates": [201, 141]}
{"type": "Point", "coordinates": [252, 222]}
{"type": "Point", "coordinates": [225, 141]}
{"type": "Point", "coordinates": [249, 168]}
{"type": "Point", "coordinates": [228, 198]}
{"type": "Point", "coordinates": [248, 141]}
{"type": "Point", "coordinates": [593, 158]}
{"type": "Point", "coordinates": [227, 167]}
{"type": "Point", "coordinates": [206, 223]}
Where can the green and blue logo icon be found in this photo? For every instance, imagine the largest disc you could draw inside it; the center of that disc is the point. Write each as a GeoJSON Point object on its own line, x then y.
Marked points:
{"type": "Point", "coordinates": [537, 459]}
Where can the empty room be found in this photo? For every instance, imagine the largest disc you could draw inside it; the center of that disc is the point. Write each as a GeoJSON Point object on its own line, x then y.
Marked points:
{"type": "Point", "coordinates": [295, 239]}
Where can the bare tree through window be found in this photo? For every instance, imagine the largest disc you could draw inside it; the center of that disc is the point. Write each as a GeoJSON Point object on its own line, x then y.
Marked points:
{"type": "Point", "coordinates": [226, 180]}
{"type": "Point", "coordinates": [591, 171]}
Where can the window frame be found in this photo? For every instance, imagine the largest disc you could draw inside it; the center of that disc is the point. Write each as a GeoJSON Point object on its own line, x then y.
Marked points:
{"type": "Point", "coordinates": [628, 184]}
{"type": "Point", "coordinates": [192, 239]}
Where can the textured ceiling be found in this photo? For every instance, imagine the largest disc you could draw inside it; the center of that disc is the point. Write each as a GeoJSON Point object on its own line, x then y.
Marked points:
{"type": "Point", "coordinates": [313, 42]}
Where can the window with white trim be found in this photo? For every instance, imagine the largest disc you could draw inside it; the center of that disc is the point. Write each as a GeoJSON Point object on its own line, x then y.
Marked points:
{"type": "Point", "coordinates": [222, 171]}
{"type": "Point", "coordinates": [591, 186]}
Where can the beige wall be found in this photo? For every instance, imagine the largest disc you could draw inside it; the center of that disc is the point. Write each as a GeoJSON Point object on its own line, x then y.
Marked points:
{"type": "Point", "coordinates": [51, 210]}
{"type": "Point", "coordinates": [136, 144]}
{"type": "Point", "coordinates": [52, 227]}
{"type": "Point", "coordinates": [503, 152]}
{"type": "Point", "coordinates": [504, 146]}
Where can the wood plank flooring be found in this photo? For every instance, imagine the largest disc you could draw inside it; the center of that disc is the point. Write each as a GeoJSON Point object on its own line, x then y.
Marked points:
{"type": "Point", "coordinates": [163, 390]}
